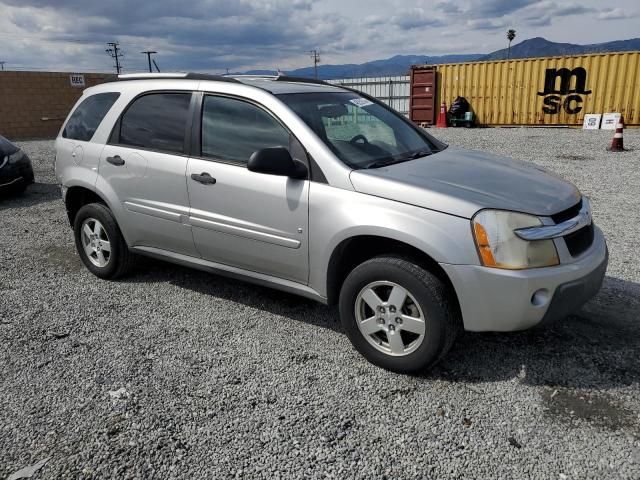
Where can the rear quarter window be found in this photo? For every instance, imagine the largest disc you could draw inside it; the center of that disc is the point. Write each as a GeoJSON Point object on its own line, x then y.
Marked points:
{"type": "Point", "coordinates": [86, 118]}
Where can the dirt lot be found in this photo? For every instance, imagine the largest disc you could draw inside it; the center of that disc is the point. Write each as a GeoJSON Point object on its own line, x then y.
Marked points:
{"type": "Point", "coordinates": [173, 373]}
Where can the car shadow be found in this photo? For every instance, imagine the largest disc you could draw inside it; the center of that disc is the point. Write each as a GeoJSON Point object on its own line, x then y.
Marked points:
{"type": "Point", "coordinates": [596, 348]}
{"type": "Point", "coordinates": [35, 194]}
{"type": "Point", "coordinates": [217, 286]}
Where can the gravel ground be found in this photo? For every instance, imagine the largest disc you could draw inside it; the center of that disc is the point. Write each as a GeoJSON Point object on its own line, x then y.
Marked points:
{"type": "Point", "coordinates": [173, 373]}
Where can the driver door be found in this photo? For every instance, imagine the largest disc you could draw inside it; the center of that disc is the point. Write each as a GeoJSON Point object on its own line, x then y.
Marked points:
{"type": "Point", "coordinates": [245, 219]}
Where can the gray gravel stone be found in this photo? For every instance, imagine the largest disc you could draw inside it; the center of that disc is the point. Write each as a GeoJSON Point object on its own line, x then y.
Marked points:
{"type": "Point", "coordinates": [220, 379]}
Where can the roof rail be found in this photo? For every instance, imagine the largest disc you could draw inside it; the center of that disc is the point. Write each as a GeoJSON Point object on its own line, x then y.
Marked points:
{"type": "Point", "coordinates": [279, 78]}
{"type": "Point", "coordinates": [287, 78]}
{"type": "Point", "coordinates": [206, 76]}
{"type": "Point", "coordinates": [247, 75]}
{"type": "Point", "coordinates": [169, 76]}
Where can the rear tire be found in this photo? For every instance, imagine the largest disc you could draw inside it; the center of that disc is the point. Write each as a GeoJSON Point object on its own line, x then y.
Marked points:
{"type": "Point", "coordinates": [398, 315]}
{"type": "Point", "coordinates": [100, 243]}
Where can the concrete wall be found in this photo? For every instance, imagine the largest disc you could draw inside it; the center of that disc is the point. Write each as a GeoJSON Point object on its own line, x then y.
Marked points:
{"type": "Point", "coordinates": [34, 104]}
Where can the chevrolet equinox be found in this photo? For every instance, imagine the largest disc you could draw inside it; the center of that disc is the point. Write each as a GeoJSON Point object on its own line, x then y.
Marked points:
{"type": "Point", "coordinates": [328, 193]}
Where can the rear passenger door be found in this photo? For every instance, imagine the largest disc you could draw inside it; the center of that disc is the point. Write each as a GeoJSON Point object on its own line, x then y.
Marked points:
{"type": "Point", "coordinates": [145, 163]}
{"type": "Point", "coordinates": [245, 219]}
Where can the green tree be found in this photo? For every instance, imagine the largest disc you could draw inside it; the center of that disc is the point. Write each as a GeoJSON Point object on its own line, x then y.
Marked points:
{"type": "Point", "coordinates": [511, 34]}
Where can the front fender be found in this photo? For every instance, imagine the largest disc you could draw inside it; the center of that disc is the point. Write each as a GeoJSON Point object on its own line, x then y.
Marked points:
{"type": "Point", "coordinates": [336, 215]}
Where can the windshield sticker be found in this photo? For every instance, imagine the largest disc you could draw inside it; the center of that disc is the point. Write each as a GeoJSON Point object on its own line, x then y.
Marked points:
{"type": "Point", "coordinates": [361, 102]}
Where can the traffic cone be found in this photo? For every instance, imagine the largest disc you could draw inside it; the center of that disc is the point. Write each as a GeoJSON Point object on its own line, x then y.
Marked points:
{"type": "Point", "coordinates": [617, 144]}
{"type": "Point", "coordinates": [442, 116]}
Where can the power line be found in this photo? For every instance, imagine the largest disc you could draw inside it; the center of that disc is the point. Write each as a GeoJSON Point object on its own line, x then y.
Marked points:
{"type": "Point", "coordinates": [315, 56]}
{"type": "Point", "coordinates": [148, 53]}
{"type": "Point", "coordinates": [112, 51]}
{"type": "Point", "coordinates": [86, 42]}
{"type": "Point", "coordinates": [19, 36]}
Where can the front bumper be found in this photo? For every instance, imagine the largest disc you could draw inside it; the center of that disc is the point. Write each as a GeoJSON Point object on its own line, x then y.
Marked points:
{"type": "Point", "coordinates": [498, 300]}
{"type": "Point", "coordinates": [13, 175]}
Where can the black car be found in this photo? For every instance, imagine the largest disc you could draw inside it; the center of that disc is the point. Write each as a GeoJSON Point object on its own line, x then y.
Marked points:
{"type": "Point", "coordinates": [16, 171]}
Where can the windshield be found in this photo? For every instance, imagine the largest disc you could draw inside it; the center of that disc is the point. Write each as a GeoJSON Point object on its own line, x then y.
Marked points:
{"type": "Point", "coordinates": [362, 133]}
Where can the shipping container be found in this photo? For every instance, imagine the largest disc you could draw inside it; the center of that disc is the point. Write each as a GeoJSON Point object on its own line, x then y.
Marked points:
{"type": "Point", "coordinates": [423, 95]}
{"type": "Point", "coordinates": [545, 91]}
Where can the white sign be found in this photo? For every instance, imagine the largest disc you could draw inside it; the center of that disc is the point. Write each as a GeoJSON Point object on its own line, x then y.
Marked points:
{"type": "Point", "coordinates": [609, 121]}
{"type": "Point", "coordinates": [76, 80]}
{"type": "Point", "coordinates": [591, 121]}
{"type": "Point", "coordinates": [361, 102]}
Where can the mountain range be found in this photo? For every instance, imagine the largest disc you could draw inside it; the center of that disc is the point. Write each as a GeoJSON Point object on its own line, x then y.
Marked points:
{"type": "Point", "coordinates": [540, 47]}
{"type": "Point", "coordinates": [401, 64]}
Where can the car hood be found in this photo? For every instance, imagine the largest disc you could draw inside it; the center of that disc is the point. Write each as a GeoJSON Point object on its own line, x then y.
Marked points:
{"type": "Point", "coordinates": [6, 147]}
{"type": "Point", "coordinates": [461, 182]}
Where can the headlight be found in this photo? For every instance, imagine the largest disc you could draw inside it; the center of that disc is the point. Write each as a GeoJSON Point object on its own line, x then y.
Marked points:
{"type": "Point", "coordinates": [499, 247]}
{"type": "Point", "coordinates": [16, 156]}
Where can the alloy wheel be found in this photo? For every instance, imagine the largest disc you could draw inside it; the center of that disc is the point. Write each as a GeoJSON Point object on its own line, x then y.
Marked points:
{"type": "Point", "coordinates": [95, 242]}
{"type": "Point", "coordinates": [389, 317]}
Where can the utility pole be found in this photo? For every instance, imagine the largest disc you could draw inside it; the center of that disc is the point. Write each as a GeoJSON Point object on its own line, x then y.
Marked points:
{"type": "Point", "coordinates": [315, 56]}
{"type": "Point", "coordinates": [148, 53]}
{"type": "Point", "coordinates": [113, 52]}
{"type": "Point", "coordinates": [2, 65]}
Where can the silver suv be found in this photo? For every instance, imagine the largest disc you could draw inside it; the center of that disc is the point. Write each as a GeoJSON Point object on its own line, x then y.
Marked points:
{"type": "Point", "coordinates": [325, 192]}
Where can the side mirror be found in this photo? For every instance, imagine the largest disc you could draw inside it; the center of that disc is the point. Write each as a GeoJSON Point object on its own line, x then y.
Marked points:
{"type": "Point", "coordinates": [277, 161]}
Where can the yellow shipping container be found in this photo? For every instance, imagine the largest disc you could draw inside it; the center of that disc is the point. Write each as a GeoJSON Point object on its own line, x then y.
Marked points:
{"type": "Point", "coordinates": [546, 91]}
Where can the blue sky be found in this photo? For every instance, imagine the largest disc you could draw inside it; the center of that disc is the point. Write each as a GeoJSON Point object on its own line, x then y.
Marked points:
{"type": "Point", "coordinates": [213, 35]}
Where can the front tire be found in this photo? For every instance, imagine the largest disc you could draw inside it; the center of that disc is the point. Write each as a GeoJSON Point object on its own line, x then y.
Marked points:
{"type": "Point", "coordinates": [398, 315]}
{"type": "Point", "coordinates": [100, 243]}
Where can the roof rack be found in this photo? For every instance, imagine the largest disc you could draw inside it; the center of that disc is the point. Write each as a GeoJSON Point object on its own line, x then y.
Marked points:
{"type": "Point", "coordinates": [279, 78]}
{"type": "Point", "coordinates": [169, 76]}
{"type": "Point", "coordinates": [248, 75]}
{"type": "Point", "coordinates": [216, 78]}
{"type": "Point", "coordinates": [287, 78]}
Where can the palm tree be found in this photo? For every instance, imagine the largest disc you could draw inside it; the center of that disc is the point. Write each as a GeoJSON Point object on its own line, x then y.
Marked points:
{"type": "Point", "coordinates": [511, 34]}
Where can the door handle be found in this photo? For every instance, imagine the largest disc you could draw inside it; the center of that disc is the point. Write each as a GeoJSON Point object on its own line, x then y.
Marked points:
{"type": "Point", "coordinates": [116, 160]}
{"type": "Point", "coordinates": [203, 178]}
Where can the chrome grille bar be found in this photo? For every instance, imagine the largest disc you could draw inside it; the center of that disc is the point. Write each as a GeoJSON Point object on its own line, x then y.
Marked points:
{"type": "Point", "coordinates": [546, 232]}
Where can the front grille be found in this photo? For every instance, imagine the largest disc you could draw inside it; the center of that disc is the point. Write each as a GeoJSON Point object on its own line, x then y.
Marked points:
{"type": "Point", "coordinates": [580, 241]}
{"type": "Point", "coordinates": [567, 214]}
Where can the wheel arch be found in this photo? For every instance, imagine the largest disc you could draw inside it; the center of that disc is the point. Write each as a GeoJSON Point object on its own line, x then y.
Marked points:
{"type": "Point", "coordinates": [78, 196]}
{"type": "Point", "coordinates": [353, 251]}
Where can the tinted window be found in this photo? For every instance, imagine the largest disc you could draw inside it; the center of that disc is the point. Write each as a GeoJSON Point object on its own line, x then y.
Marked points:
{"type": "Point", "coordinates": [156, 121]}
{"type": "Point", "coordinates": [87, 117]}
{"type": "Point", "coordinates": [232, 129]}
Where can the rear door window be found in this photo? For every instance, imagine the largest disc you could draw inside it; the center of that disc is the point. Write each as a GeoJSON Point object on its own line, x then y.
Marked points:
{"type": "Point", "coordinates": [156, 121]}
{"type": "Point", "coordinates": [233, 129]}
{"type": "Point", "coordinates": [86, 119]}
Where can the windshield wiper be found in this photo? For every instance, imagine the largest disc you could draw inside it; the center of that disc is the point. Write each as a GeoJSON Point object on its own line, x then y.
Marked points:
{"type": "Point", "coordinates": [384, 162]}
{"type": "Point", "coordinates": [404, 158]}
